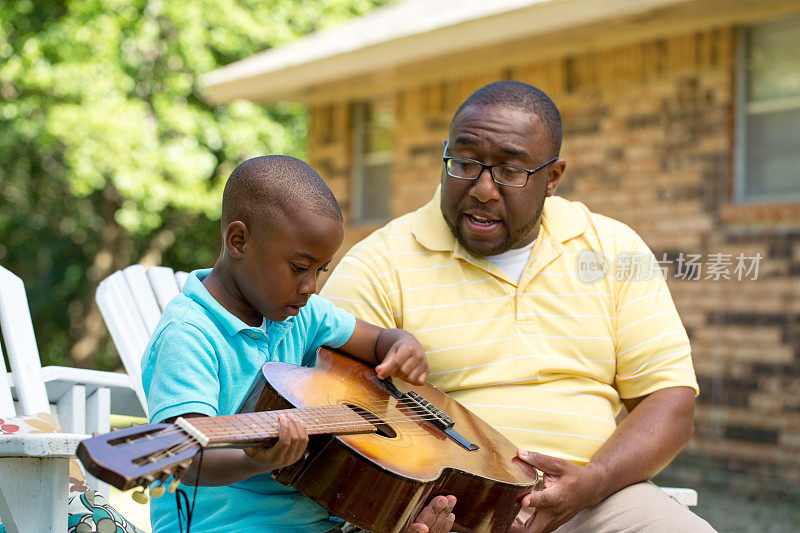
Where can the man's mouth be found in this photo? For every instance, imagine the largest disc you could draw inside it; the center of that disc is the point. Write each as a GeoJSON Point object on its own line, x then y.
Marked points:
{"type": "Point", "coordinates": [480, 224]}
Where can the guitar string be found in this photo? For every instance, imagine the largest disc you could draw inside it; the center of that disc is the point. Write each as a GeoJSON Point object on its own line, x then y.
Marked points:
{"type": "Point", "coordinates": [269, 416]}
{"type": "Point", "coordinates": [207, 424]}
{"type": "Point", "coordinates": [191, 441]}
{"type": "Point", "coordinates": [307, 412]}
{"type": "Point", "coordinates": [210, 431]}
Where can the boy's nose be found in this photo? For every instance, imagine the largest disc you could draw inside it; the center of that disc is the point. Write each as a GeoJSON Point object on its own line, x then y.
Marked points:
{"type": "Point", "coordinates": [308, 286]}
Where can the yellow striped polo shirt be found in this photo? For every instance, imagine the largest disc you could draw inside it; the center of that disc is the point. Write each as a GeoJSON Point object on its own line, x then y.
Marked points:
{"type": "Point", "coordinates": [544, 360]}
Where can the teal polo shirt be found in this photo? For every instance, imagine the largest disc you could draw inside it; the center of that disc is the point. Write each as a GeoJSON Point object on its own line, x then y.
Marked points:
{"type": "Point", "coordinates": [202, 359]}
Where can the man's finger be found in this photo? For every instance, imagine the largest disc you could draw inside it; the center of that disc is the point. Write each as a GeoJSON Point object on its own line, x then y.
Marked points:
{"type": "Point", "coordinates": [546, 463]}
{"type": "Point", "coordinates": [537, 499]}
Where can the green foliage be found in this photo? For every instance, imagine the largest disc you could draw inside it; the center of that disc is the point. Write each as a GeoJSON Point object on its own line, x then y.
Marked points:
{"type": "Point", "coordinates": [108, 152]}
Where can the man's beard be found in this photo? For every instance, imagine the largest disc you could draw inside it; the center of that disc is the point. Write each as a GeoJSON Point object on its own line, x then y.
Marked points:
{"type": "Point", "coordinates": [511, 240]}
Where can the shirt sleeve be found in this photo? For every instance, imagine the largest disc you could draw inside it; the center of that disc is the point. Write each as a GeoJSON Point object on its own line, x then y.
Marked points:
{"type": "Point", "coordinates": [653, 350]}
{"type": "Point", "coordinates": [180, 373]}
{"type": "Point", "coordinates": [328, 326]}
{"type": "Point", "coordinates": [356, 288]}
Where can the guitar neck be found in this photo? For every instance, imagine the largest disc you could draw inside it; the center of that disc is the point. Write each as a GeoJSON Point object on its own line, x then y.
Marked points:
{"type": "Point", "coordinates": [248, 429]}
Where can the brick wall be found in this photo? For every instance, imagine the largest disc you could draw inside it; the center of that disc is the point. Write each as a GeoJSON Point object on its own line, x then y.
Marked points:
{"type": "Point", "coordinates": [648, 139]}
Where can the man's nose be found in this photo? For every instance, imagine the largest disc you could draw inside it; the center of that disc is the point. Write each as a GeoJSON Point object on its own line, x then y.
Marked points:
{"type": "Point", "coordinates": [484, 189]}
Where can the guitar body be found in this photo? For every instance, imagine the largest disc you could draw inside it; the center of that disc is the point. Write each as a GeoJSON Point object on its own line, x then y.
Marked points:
{"type": "Point", "coordinates": [380, 481]}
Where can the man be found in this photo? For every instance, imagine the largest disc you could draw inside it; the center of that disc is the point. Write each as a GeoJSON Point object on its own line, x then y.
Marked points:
{"type": "Point", "coordinates": [521, 303]}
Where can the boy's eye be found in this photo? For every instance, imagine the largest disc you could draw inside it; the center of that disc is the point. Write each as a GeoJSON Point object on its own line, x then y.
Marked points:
{"type": "Point", "coordinates": [299, 268]}
{"type": "Point", "coordinates": [322, 269]}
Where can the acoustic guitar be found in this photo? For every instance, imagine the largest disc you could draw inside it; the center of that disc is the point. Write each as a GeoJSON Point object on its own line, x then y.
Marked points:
{"type": "Point", "coordinates": [378, 451]}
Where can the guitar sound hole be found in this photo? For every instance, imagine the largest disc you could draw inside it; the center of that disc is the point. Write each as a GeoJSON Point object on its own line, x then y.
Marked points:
{"type": "Point", "coordinates": [383, 429]}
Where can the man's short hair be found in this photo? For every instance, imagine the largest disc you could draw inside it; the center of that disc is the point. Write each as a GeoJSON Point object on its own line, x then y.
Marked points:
{"type": "Point", "coordinates": [520, 95]}
{"type": "Point", "coordinates": [264, 190]}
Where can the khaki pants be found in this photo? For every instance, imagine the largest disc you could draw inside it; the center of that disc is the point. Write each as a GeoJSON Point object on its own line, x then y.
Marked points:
{"type": "Point", "coordinates": [640, 507]}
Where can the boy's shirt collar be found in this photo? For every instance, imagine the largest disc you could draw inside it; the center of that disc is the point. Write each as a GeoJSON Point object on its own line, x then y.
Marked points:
{"type": "Point", "coordinates": [194, 289]}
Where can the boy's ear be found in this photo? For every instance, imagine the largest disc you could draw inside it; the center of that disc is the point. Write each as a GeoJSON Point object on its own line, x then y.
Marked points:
{"type": "Point", "coordinates": [236, 236]}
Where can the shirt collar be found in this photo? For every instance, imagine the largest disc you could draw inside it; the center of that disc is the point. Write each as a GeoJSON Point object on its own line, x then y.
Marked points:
{"type": "Point", "coordinates": [194, 289]}
{"type": "Point", "coordinates": [562, 220]}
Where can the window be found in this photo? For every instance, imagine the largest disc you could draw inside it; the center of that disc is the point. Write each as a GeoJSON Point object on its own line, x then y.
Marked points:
{"type": "Point", "coordinates": [768, 143]}
{"type": "Point", "coordinates": [372, 161]}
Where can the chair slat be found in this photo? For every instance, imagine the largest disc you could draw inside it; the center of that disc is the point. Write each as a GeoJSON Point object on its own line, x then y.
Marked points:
{"type": "Point", "coordinates": [164, 284]}
{"type": "Point", "coordinates": [126, 325]}
{"type": "Point", "coordinates": [180, 277]}
{"type": "Point", "coordinates": [6, 401]}
{"type": "Point", "coordinates": [20, 341]}
{"type": "Point", "coordinates": [142, 293]}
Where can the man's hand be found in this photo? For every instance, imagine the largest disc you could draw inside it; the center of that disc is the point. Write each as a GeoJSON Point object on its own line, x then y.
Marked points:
{"type": "Point", "coordinates": [568, 488]}
{"type": "Point", "coordinates": [292, 442]}
{"type": "Point", "coordinates": [404, 359]}
{"type": "Point", "coordinates": [436, 517]}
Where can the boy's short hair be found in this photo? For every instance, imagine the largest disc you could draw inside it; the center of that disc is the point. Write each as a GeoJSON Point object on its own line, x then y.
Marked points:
{"type": "Point", "coordinates": [262, 190]}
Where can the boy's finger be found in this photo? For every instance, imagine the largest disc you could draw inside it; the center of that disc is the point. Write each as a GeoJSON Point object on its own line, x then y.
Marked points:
{"type": "Point", "coordinates": [412, 365]}
{"type": "Point", "coordinates": [389, 365]}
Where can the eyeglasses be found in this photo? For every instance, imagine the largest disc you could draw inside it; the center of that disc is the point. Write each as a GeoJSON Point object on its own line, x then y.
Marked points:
{"type": "Point", "coordinates": [469, 169]}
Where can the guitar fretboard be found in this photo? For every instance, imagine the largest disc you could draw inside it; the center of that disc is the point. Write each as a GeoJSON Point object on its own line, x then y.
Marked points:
{"type": "Point", "coordinates": [262, 426]}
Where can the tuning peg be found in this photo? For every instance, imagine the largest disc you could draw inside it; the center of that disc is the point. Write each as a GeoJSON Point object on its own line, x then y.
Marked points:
{"type": "Point", "coordinates": [157, 491]}
{"type": "Point", "coordinates": [173, 485]}
{"type": "Point", "coordinates": [140, 497]}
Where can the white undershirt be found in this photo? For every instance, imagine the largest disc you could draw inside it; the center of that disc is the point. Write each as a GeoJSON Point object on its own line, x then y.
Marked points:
{"type": "Point", "coordinates": [513, 261]}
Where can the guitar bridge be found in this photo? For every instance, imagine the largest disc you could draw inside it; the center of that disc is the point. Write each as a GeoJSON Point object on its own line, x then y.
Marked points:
{"type": "Point", "coordinates": [427, 411]}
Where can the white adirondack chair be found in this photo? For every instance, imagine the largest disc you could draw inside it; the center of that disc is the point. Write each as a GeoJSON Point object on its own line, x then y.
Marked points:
{"type": "Point", "coordinates": [81, 399]}
{"type": "Point", "coordinates": [33, 468]}
{"type": "Point", "coordinates": [131, 302]}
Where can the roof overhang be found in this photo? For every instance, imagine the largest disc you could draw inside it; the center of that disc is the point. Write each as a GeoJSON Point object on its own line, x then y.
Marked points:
{"type": "Point", "coordinates": [394, 44]}
{"type": "Point", "coordinates": [398, 34]}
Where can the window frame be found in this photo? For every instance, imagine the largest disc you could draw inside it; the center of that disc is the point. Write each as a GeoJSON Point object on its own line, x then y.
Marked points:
{"type": "Point", "coordinates": [740, 144]}
{"type": "Point", "coordinates": [361, 160]}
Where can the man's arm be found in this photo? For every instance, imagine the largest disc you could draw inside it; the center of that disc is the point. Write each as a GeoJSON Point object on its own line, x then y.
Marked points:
{"type": "Point", "coordinates": [657, 427]}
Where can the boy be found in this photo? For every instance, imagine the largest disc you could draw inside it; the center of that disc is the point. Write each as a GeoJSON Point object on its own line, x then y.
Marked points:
{"type": "Point", "coordinates": [281, 226]}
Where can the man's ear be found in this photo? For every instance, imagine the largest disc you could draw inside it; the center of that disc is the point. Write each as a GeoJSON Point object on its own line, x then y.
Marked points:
{"type": "Point", "coordinates": [236, 236]}
{"type": "Point", "coordinates": [554, 175]}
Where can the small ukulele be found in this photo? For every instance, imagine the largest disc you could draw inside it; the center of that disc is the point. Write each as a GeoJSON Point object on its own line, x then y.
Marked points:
{"type": "Point", "coordinates": [378, 451]}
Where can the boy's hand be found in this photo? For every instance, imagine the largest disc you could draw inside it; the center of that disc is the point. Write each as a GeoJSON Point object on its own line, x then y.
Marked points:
{"type": "Point", "coordinates": [404, 359]}
{"type": "Point", "coordinates": [436, 517]}
{"type": "Point", "coordinates": [292, 442]}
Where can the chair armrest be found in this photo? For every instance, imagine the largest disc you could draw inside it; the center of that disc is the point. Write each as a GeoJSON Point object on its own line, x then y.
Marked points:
{"type": "Point", "coordinates": [124, 401]}
{"type": "Point", "coordinates": [686, 497]}
{"type": "Point", "coordinates": [40, 445]}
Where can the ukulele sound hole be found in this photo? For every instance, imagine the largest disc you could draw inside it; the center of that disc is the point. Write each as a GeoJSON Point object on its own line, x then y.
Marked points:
{"type": "Point", "coordinates": [383, 429]}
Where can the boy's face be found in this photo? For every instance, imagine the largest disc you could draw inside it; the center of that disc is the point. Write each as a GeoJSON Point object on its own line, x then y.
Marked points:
{"type": "Point", "coordinates": [280, 266]}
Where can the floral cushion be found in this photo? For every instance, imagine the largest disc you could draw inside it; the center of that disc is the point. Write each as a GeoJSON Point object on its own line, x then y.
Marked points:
{"type": "Point", "coordinates": [88, 511]}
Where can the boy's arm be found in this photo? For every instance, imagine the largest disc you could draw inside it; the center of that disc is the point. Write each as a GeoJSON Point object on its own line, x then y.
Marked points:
{"type": "Point", "coordinates": [394, 351]}
{"type": "Point", "coordinates": [225, 466]}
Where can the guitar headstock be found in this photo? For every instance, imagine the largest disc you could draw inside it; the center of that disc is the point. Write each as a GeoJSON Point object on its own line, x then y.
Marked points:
{"type": "Point", "coordinates": [138, 455]}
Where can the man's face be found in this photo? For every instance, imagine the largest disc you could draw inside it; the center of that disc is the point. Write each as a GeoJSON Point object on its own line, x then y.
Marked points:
{"type": "Point", "coordinates": [485, 217]}
{"type": "Point", "coordinates": [280, 265]}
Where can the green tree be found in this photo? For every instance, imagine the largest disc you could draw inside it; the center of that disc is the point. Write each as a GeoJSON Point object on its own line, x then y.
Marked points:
{"type": "Point", "coordinates": [108, 153]}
